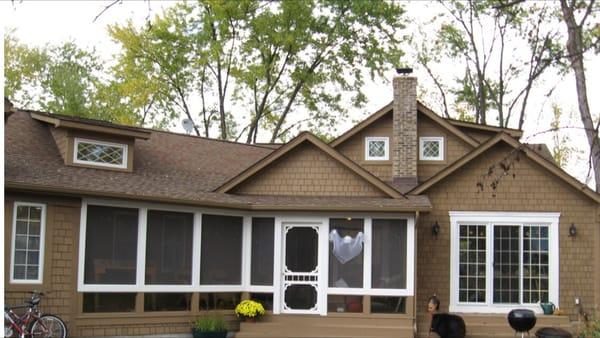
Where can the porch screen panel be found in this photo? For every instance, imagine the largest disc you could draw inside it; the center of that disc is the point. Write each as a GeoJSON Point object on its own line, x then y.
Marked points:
{"type": "Point", "coordinates": [110, 245]}
{"type": "Point", "coordinates": [535, 264]}
{"type": "Point", "coordinates": [506, 264]}
{"type": "Point", "coordinates": [472, 267]}
{"type": "Point", "coordinates": [169, 247]}
{"type": "Point", "coordinates": [389, 254]}
{"type": "Point", "coordinates": [221, 250]}
{"type": "Point", "coordinates": [262, 251]}
{"type": "Point", "coordinates": [350, 273]}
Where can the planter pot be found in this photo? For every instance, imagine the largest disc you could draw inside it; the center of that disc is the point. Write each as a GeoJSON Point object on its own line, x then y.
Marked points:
{"type": "Point", "coordinates": [200, 334]}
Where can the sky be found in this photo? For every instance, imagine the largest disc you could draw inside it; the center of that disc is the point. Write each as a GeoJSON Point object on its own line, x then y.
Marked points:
{"type": "Point", "coordinates": [41, 22]}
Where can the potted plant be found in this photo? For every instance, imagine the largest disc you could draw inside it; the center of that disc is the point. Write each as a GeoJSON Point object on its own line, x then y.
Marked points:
{"type": "Point", "coordinates": [209, 327]}
{"type": "Point", "coordinates": [249, 310]}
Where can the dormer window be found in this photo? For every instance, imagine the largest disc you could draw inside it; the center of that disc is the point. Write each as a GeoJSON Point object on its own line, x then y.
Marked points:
{"type": "Point", "coordinates": [377, 148]}
{"type": "Point", "coordinates": [100, 153]}
{"type": "Point", "coordinates": [431, 148]}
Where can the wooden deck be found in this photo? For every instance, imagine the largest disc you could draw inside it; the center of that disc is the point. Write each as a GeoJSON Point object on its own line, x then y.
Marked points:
{"type": "Point", "coordinates": [392, 326]}
{"type": "Point", "coordinates": [495, 325]}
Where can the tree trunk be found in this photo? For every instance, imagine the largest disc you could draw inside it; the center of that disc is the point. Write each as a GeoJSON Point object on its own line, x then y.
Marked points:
{"type": "Point", "coordinates": [575, 51]}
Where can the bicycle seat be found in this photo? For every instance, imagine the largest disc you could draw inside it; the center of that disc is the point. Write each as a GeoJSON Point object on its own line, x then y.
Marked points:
{"type": "Point", "coordinates": [34, 300]}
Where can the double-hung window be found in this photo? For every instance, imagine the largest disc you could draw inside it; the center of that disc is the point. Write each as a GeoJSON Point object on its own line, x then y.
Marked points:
{"type": "Point", "coordinates": [27, 255]}
{"type": "Point", "coordinates": [500, 260]}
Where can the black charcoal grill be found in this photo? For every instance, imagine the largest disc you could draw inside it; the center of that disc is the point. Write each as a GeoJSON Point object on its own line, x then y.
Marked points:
{"type": "Point", "coordinates": [521, 320]}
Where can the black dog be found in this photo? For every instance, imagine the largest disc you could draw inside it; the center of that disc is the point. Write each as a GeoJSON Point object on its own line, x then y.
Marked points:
{"type": "Point", "coordinates": [448, 326]}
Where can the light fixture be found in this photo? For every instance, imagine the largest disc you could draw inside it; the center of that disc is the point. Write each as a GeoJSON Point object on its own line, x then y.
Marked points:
{"type": "Point", "coordinates": [435, 229]}
{"type": "Point", "coordinates": [572, 230]}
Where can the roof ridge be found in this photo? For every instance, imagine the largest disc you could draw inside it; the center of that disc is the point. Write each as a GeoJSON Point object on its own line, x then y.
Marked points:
{"type": "Point", "coordinates": [122, 126]}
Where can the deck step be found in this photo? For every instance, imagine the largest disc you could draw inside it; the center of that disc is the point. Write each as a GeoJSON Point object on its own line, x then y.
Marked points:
{"type": "Point", "coordinates": [356, 326]}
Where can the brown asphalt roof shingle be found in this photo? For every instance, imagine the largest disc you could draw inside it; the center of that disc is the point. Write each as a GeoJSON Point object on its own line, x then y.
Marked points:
{"type": "Point", "coordinates": [168, 167]}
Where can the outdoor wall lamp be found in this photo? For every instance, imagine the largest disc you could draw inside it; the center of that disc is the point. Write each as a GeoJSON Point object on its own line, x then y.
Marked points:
{"type": "Point", "coordinates": [435, 229]}
{"type": "Point", "coordinates": [572, 230]}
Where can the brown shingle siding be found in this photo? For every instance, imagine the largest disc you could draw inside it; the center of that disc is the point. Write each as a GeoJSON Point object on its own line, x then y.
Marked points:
{"type": "Point", "coordinates": [307, 171]}
{"type": "Point", "coordinates": [533, 189]}
{"type": "Point", "coordinates": [62, 220]}
{"type": "Point", "coordinates": [354, 148]}
{"type": "Point", "coordinates": [454, 148]}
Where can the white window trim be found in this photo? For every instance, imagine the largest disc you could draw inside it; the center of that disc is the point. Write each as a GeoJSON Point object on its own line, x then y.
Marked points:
{"type": "Point", "coordinates": [125, 148]}
{"type": "Point", "coordinates": [440, 140]}
{"type": "Point", "coordinates": [550, 219]}
{"type": "Point", "coordinates": [40, 278]}
{"type": "Point", "coordinates": [386, 149]}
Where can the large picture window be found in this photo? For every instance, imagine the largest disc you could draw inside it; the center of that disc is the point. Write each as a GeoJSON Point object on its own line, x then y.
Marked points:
{"type": "Point", "coordinates": [27, 243]}
{"type": "Point", "coordinates": [500, 260]}
{"type": "Point", "coordinates": [221, 262]}
{"type": "Point", "coordinates": [169, 247]}
{"type": "Point", "coordinates": [111, 245]}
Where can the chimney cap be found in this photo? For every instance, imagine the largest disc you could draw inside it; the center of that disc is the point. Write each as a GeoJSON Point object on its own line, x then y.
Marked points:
{"type": "Point", "coordinates": [404, 71]}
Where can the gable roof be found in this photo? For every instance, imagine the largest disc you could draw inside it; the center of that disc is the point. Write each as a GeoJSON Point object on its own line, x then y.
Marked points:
{"type": "Point", "coordinates": [168, 168]}
{"type": "Point", "coordinates": [530, 153]}
{"type": "Point", "coordinates": [420, 108]}
{"type": "Point", "coordinates": [294, 143]}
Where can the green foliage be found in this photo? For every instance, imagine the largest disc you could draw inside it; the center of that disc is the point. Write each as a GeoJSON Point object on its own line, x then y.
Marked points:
{"type": "Point", "coordinates": [591, 329]}
{"type": "Point", "coordinates": [562, 151]}
{"type": "Point", "coordinates": [290, 61]}
{"type": "Point", "coordinates": [302, 55]}
{"type": "Point", "coordinates": [210, 324]}
{"type": "Point", "coordinates": [62, 79]}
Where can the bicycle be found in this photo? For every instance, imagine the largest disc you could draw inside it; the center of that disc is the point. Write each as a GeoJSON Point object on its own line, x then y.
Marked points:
{"type": "Point", "coordinates": [32, 323]}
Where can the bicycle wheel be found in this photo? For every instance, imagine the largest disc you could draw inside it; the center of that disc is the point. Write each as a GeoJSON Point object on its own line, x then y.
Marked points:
{"type": "Point", "coordinates": [48, 326]}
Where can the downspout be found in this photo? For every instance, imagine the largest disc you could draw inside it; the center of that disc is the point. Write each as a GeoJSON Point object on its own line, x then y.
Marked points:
{"type": "Point", "coordinates": [415, 250]}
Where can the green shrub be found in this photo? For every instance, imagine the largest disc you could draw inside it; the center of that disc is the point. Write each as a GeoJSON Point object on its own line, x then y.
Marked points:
{"type": "Point", "coordinates": [210, 324]}
{"type": "Point", "coordinates": [591, 330]}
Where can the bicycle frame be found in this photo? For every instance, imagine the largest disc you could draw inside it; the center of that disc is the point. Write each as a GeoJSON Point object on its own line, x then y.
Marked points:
{"type": "Point", "coordinates": [20, 323]}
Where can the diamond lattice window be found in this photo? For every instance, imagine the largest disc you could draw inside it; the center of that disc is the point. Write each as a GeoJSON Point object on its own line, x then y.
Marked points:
{"type": "Point", "coordinates": [377, 148]}
{"type": "Point", "coordinates": [101, 153]}
{"type": "Point", "coordinates": [432, 148]}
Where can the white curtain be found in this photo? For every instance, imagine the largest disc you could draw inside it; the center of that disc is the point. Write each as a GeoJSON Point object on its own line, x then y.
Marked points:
{"type": "Point", "coordinates": [346, 248]}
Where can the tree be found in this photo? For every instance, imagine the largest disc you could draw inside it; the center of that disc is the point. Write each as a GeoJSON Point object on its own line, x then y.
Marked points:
{"type": "Point", "coordinates": [186, 53]}
{"type": "Point", "coordinates": [282, 58]}
{"type": "Point", "coordinates": [582, 37]}
{"type": "Point", "coordinates": [302, 55]}
{"type": "Point", "coordinates": [487, 37]}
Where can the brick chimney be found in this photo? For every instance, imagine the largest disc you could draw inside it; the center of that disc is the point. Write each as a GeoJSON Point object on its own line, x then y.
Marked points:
{"type": "Point", "coordinates": [405, 151]}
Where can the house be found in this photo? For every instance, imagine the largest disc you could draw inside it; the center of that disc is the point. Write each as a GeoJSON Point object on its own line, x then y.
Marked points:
{"type": "Point", "coordinates": [139, 231]}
